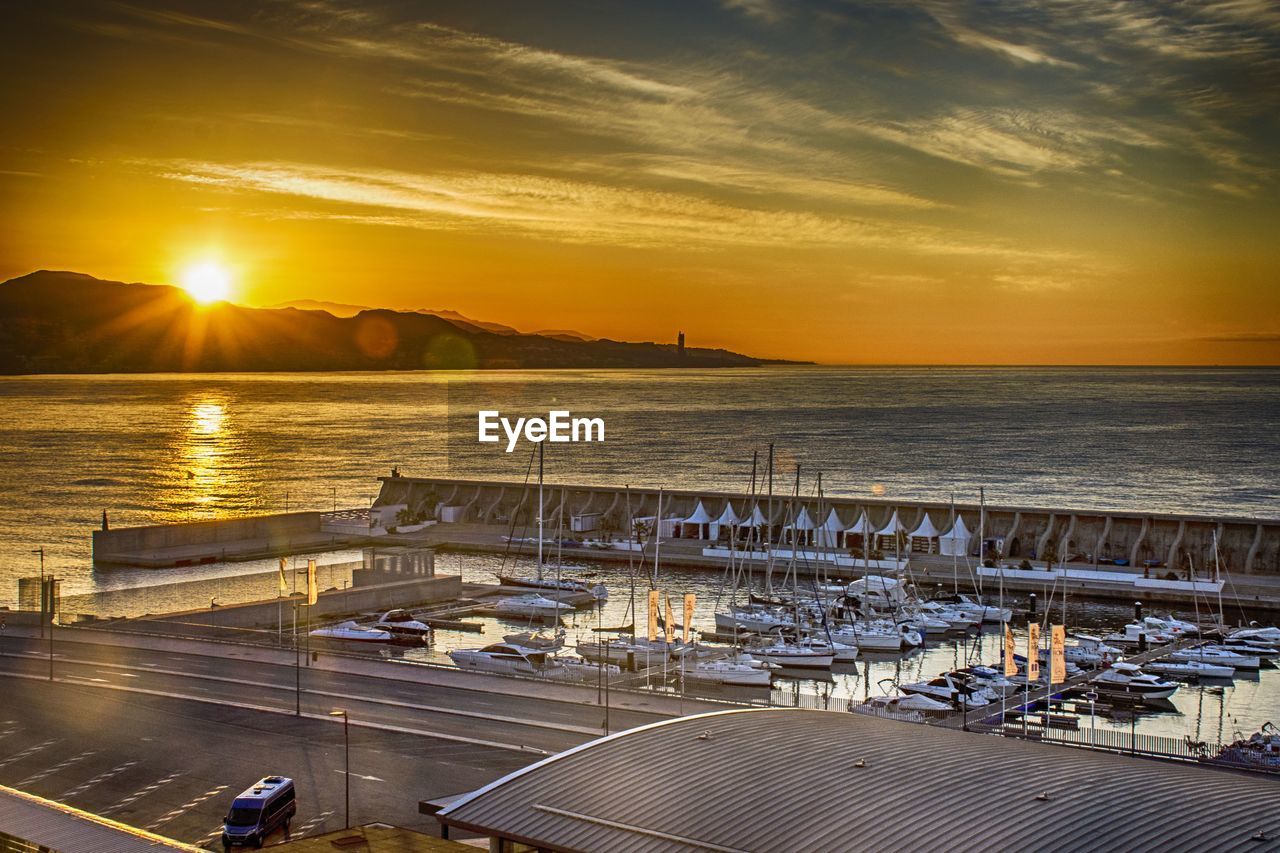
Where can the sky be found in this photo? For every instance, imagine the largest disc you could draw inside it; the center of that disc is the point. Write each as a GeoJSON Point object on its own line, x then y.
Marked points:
{"type": "Point", "coordinates": [847, 182]}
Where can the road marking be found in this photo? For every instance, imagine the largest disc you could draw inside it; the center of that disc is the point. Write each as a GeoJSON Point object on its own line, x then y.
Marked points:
{"type": "Point", "coordinates": [185, 807]}
{"type": "Point", "coordinates": [121, 674]}
{"type": "Point", "coordinates": [313, 823]}
{"type": "Point", "coordinates": [140, 793]}
{"type": "Point", "coordinates": [101, 777]}
{"type": "Point", "coordinates": [31, 750]}
{"type": "Point", "coordinates": [36, 777]}
{"type": "Point", "coordinates": [271, 709]}
{"type": "Point", "coordinates": [360, 776]}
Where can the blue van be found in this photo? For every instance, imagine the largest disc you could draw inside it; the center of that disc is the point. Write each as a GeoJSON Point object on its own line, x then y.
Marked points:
{"type": "Point", "coordinates": [262, 809]}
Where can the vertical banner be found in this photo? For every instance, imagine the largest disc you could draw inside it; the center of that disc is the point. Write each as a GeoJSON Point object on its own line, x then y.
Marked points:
{"type": "Point", "coordinates": [284, 585]}
{"type": "Point", "coordinates": [1033, 651]}
{"type": "Point", "coordinates": [1057, 654]}
{"type": "Point", "coordinates": [653, 614]}
{"type": "Point", "coordinates": [670, 623]}
{"type": "Point", "coordinates": [1010, 649]}
{"type": "Point", "coordinates": [690, 600]}
{"type": "Point", "coordinates": [312, 592]}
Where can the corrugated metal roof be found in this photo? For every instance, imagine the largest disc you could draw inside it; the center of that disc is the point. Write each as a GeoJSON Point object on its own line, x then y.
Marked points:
{"type": "Point", "coordinates": [787, 780]}
{"type": "Point", "coordinates": [69, 830]}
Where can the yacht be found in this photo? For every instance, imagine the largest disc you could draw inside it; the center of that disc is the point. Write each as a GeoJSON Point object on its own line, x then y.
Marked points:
{"type": "Point", "coordinates": [1213, 654]}
{"type": "Point", "coordinates": [841, 652]}
{"type": "Point", "coordinates": [990, 678]}
{"type": "Point", "coordinates": [509, 659]}
{"type": "Point", "coordinates": [402, 625]}
{"type": "Point", "coordinates": [1247, 648]}
{"type": "Point", "coordinates": [794, 655]}
{"type": "Point", "coordinates": [632, 654]}
{"type": "Point", "coordinates": [728, 672]}
{"type": "Point", "coordinates": [1089, 650]}
{"type": "Point", "coordinates": [537, 640]}
{"type": "Point", "coordinates": [957, 689]}
{"type": "Point", "coordinates": [1254, 633]}
{"type": "Point", "coordinates": [756, 618]}
{"type": "Point", "coordinates": [583, 669]}
{"type": "Point", "coordinates": [916, 702]}
{"type": "Point", "coordinates": [350, 632]}
{"type": "Point", "coordinates": [597, 591]}
{"type": "Point", "coordinates": [1129, 679]}
{"type": "Point", "coordinates": [531, 605]}
{"type": "Point", "coordinates": [1169, 625]}
{"type": "Point", "coordinates": [1190, 669]}
{"type": "Point", "coordinates": [976, 609]}
{"type": "Point", "coordinates": [1136, 632]}
{"type": "Point", "coordinates": [955, 619]}
{"type": "Point", "coordinates": [878, 636]}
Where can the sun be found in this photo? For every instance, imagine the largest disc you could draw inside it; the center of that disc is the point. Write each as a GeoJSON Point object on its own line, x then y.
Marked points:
{"type": "Point", "coordinates": [206, 282]}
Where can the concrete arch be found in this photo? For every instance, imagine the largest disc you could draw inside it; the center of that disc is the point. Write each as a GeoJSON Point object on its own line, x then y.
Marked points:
{"type": "Point", "coordinates": [1172, 560]}
{"type": "Point", "coordinates": [489, 510]}
{"type": "Point", "coordinates": [1044, 537]}
{"type": "Point", "coordinates": [1101, 541]}
{"type": "Point", "coordinates": [1136, 547]}
{"type": "Point", "coordinates": [1011, 535]}
{"type": "Point", "coordinates": [1253, 550]}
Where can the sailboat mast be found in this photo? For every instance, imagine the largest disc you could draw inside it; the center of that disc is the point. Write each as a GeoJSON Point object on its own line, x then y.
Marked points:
{"type": "Point", "coordinates": [657, 540]}
{"type": "Point", "coordinates": [540, 509]}
{"type": "Point", "coordinates": [955, 559]}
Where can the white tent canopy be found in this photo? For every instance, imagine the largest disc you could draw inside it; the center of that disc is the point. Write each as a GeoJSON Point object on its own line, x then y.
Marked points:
{"type": "Point", "coordinates": [728, 518]}
{"type": "Point", "coordinates": [831, 532]}
{"type": "Point", "coordinates": [862, 527]}
{"type": "Point", "coordinates": [833, 524]}
{"type": "Point", "coordinates": [700, 516]}
{"type": "Point", "coordinates": [803, 521]}
{"type": "Point", "coordinates": [955, 542]}
{"type": "Point", "coordinates": [925, 530]}
{"type": "Point", "coordinates": [756, 518]}
{"type": "Point", "coordinates": [894, 526]}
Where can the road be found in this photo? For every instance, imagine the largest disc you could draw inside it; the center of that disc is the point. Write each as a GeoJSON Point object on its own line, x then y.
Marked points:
{"type": "Point", "coordinates": [163, 740]}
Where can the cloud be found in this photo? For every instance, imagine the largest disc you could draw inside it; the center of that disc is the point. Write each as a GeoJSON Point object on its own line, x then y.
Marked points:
{"type": "Point", "coordinates": [767, 11]}
{"type": "Point", "coordinates": [1242, 338]}
{"type": "Point", "coordinates": [566, 210]}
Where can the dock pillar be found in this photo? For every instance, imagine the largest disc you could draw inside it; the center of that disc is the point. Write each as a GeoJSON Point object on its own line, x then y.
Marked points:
{"type": "Point", "coordinates": [1033, 604]}
{"type": "Point", "coordinates": [1137, 611]}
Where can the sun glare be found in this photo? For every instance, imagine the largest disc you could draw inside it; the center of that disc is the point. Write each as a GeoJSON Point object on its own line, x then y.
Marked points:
{"type": "Point", "coordinates": [206, 282]}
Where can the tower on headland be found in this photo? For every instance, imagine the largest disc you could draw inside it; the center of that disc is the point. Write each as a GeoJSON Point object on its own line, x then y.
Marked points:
{"type": "Point", "coordinates": [680, 345]}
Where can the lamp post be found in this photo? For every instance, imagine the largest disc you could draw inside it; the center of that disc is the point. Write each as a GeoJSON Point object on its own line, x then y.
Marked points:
{"type": "Point", "coordinates": [40, 551]}
{"type": "Point", "coordinates": [346, 748]}
{"type": "Point", "coordinates": [51, 586]}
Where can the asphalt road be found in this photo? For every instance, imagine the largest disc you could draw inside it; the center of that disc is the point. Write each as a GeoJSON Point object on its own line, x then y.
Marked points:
{"type": "Point", "coordinates": [173, 765]}
{"type": "Point", "coordinates": [164, 740]}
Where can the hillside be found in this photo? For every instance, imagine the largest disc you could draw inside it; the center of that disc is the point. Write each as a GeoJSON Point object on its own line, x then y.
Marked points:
{"type": "Point", "coordinates": [66, 322]}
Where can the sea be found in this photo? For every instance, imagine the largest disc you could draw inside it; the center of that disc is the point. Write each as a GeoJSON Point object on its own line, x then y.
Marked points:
{"type": "Point", "coordinates": [165, 448]}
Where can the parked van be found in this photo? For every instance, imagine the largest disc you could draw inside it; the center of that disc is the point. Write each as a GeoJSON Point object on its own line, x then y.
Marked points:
{"type": "Point", "coordinates": [261, 810]}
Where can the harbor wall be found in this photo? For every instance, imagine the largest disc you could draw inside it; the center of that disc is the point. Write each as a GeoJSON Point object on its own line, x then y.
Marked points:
{"type": "Point", "coordinates": [330, 604]}
{"type": "Point", "coordinates": [194, 542]}
{"type": "Point", "coordinates": [1160, 543]}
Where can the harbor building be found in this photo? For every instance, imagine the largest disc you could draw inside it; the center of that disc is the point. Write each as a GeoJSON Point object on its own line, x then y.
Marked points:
{"type": "Point", "coordinates": [795, 780]}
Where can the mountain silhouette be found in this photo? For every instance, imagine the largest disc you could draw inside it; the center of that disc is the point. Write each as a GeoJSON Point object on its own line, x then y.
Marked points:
{"type": "Point", "coordinates": [67, 322]}
{"type": "Point", "coordinates": [343, 309]}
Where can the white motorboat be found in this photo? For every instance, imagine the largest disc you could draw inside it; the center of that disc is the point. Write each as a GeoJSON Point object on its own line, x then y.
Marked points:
{"type": "Point", "coordinates": [537, 640]}
{"type": "Point", "coordinates": [877, 591]}
{"type": "Point", "coordinates": [1244, 647]}
{"type": "Point", "coordinates": [1255, 633]}
{"type": "Point", "coordinates": [1189, 669]}
{"type": "Point", "coordinates": [956, 620]}
{"type": "Point", "coordinates": [401, 624]}
{"type": "Point", "coordinates": [350, 632]}
{"type": "Point", "coordinates": [583, 669]}
{"type": "Point", "coordinates": [957, 689]}
{"type": "Point", "coordinates": [509, 659]}
{"type": "Point", "coordinates": [1136, 632]}
{"type": "Point", "coordinates": [531, 605]}
{"type": "Point", "coordinates": [728, 672]}
{"type": "Point", "coordinates": [1215, 655]}
{"type": "Point", "coordinates": [1091, 651]}
{"type": "Point", "coordinates": [629, 654]}
{"type": "Point", "coordinates": [1169, 625]}
{"type": "Point", "coordinates": [1129, 679]}
{"type": "Point", "coordinates": [794, 655]}
{"type": "Point", "coordinates": [992, 679]}
{"type": "Point", "coordinates": [841, 652]}
{"type": "Point", "coordinates": [922, 623]}
{"type": "Point", "coordinates": [976, 609]}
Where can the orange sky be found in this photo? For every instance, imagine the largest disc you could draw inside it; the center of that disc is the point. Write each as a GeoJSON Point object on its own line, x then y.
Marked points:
{"type": "Point", "coordinates": [848, 183]}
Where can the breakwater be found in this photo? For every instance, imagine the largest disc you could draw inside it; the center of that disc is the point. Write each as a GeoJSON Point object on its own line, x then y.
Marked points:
{"type": "Point", "coordinates": [1161, 544]}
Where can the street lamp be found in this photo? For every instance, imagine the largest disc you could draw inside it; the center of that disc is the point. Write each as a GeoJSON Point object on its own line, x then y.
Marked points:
{"type": "Point", "coordinates": [346, 748]}
{"type": "Point", "coordinates": [40, 551]}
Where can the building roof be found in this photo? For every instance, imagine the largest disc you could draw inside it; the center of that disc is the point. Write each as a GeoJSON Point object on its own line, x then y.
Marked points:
{"type": "Point", "coordinates": [46, 824]}
{"type": "Point", "coordinates": [787, 780]}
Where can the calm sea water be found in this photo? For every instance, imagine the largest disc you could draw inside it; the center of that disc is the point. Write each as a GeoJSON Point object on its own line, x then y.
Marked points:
{"type": "Point", "coordinates": [169, 448]}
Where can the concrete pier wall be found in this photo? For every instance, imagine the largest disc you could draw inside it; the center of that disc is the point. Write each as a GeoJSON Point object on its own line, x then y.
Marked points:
{"type": "Point", "coordinates": [1171, 543]}
{"type": "Point", "coordinates": [190, 543]}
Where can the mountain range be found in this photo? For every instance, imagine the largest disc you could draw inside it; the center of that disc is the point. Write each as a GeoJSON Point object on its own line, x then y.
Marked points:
{"type": "Point", "coordinates": [342, 309]}
{"type": "Point", "coordinates": [68, 322]}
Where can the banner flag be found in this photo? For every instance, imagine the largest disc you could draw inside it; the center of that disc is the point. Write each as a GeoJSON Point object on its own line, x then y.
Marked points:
{"type": "Point", "coordinates": [1057, 654]}
{"type": "Point", "coordinates": [653, 614]}
{"type": "Point", "coordinates": [1010, 649]}
{"type": "Point", "coordinates": [670, 622]}
{"type": "Point", "coordinates": [312, 592]}
{"type": "Point", "coordinates": [284, 585]}
{"type": "Point", "coordinates": [1033, 651]}
{"type": "Point", "coordinates": [690, 600]}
